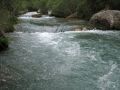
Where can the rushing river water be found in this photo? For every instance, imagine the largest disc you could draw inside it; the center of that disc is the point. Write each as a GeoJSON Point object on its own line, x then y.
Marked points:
{"type": "Point", "coordinates": [47, 54]}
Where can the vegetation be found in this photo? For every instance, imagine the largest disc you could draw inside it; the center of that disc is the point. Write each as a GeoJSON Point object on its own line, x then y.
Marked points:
{"type": "Point", "coordinates": [3, 43]}
{"type": "Point", "coordinates": [9, 9]}
{"type": "Point", "coordinates": [7, 20]}
{"type": "Point", "coordinates": [63, 8]}
{"type": "Point", "coordinates": [7, 15]}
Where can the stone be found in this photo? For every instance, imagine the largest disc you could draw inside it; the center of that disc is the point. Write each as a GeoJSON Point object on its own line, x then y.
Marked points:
{"type": "Point", "coordinates": [107, 18]}
{"type": "Point", "coordinates": [36, 15]}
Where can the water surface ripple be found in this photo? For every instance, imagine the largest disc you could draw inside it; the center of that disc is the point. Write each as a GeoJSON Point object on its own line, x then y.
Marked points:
{"type": "Point", "coordinates": [41, 58]}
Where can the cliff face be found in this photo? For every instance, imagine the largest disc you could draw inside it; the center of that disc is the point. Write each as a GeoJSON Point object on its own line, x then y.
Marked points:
{"type": "Point", "coordinates": [108, 18]}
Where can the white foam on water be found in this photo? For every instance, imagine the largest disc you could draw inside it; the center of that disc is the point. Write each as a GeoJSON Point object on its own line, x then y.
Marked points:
{"type": "Point", "coordinates": [47, 38]}
{"type": "Point", "coordinates": [94, 31]}
{"type": "Point", "coordinates": [24, 18]}
{"type": "Point", "coordinates": [28, 16]}
{"type": "Point", "coordinates": [105, 82]}
{"type": "Point", "coordinates": [55, 39]}
{"type": "Point", "coordinates": [18, 32]}
{"type": "Point", "coordinates": [48, 17]}
{"type": "Point", "coordinates": [61, 45]}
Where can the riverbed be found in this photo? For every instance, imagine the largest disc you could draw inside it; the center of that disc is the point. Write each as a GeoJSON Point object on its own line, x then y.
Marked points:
{"type": "Point", "coordinates": [48, 53]}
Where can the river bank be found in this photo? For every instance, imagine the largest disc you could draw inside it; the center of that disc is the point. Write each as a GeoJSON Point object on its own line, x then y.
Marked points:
{"type": "Point", "coordinates": [3, 41]}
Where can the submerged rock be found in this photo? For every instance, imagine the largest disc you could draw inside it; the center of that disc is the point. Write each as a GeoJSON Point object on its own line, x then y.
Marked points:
{"type": "Point", "coordinates": [110, 19]}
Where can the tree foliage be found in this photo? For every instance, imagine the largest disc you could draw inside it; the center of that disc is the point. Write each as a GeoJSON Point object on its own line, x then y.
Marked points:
{"type": "Point", "coordinates": [63, 8]}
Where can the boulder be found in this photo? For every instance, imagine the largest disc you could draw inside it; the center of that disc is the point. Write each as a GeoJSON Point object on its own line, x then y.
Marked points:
{"type": "Point", "coordinates": [37, 15]}
{"type": "Point", "coordinates": [110, 19]}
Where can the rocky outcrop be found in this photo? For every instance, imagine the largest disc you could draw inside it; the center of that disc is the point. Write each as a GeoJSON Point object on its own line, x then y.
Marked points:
{"type": "Point", "coordinates": [110, 19]}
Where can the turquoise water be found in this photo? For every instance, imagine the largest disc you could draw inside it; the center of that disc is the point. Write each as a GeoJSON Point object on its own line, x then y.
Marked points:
{"type": "Point", "coordinates": [42, 56]}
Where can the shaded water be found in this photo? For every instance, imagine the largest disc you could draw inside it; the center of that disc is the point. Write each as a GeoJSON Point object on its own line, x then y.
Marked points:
{"type": "Point", "coordinates": [42, 56]}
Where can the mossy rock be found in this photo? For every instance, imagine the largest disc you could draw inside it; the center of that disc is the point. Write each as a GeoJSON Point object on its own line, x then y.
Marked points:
{"type": "Point", "coordinates": [3, 43]}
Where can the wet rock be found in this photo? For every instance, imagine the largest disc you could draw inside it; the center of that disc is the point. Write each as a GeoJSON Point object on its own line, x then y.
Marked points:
{"type": "Point", "coordinates": [110, 19]}
{"type": "Point", "coordinates": [36, 15]}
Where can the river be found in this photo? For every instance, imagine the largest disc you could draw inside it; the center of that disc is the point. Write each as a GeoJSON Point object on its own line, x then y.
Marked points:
{"type": "Point", "coordinates": [48, 54]}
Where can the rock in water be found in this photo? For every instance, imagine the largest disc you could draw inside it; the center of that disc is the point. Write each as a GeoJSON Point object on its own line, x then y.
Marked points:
{"type": "Point", "coordinates": [37, 15]}
{"type": "Point", "coordinates": [108, 18]}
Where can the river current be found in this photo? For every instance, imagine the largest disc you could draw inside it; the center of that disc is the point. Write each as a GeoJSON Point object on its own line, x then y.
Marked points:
{"type": "Point", "coordinates": [47, 53]}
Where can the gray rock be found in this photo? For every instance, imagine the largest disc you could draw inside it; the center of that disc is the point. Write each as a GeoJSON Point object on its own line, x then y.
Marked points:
{"type": "Point", "coordinates": [107, 18]}
{"type": "Point", "coordinates": [37, 15]}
